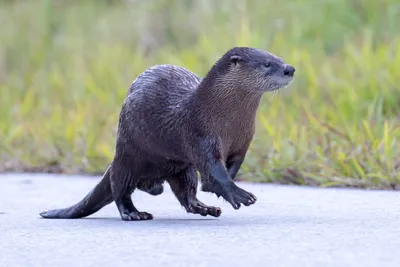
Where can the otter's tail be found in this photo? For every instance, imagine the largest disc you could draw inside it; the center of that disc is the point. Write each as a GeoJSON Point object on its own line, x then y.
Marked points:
{"type": "Point", "coordinates": [97, 198]}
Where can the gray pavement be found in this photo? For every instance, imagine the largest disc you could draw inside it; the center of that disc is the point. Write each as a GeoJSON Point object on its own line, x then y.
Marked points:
{"type": "Point", "coordinates": [288, 226]}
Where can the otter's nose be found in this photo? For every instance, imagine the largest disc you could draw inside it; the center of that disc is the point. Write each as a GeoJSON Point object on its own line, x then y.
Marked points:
{"type": "Point", "coordinates": [289, 70]}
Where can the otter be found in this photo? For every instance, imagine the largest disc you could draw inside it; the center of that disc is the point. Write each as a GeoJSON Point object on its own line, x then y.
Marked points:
{"type": "Point", "coordinates": [174, 125]}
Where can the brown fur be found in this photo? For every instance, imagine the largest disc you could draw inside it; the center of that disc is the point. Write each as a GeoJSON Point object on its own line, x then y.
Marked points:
{"type": "Point", "coordinates": [173, 124]}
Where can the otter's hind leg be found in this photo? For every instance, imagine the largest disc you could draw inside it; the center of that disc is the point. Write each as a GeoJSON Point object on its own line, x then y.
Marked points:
{"type": "Point", "coordinates": [123, 183]}
{"type": "Point", "coordinates": [184, 186]}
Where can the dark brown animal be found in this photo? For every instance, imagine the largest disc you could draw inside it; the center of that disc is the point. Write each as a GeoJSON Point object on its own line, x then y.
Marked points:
{"type": "Point", "coordinates": [173, 124]}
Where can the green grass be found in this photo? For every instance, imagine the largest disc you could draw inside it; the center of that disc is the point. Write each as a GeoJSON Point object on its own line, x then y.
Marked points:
{"type": "Point", "coordinates": [65, 67]}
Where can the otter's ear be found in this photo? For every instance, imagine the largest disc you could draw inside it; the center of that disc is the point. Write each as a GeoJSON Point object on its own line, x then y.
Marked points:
{"type": "Point", "coordinates": [235, 59]}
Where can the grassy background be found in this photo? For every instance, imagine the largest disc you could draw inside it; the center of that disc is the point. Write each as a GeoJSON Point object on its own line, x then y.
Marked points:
{"type": "Point", "coordinates": [65, 67]}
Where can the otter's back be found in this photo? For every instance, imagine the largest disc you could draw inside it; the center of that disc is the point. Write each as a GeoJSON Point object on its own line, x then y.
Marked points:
{"type": "Point", "coordinates": [161, 89]}
{"type": "Point", "coordinates": [153, 109]}
{"type": "Point", "coordinates": [175, 79]}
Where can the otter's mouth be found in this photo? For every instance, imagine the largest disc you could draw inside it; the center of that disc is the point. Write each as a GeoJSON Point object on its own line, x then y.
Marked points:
{"type": "Point", "coordinates": [284, 83]}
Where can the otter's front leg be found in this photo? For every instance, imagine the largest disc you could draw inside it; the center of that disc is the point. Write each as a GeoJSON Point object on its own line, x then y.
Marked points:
{"type": "Point", "coordinates": [236, 158]}
{"type": "Point", "coordinates": [233, 164]}
{"type": "Point", "coordinates": [214, 173]}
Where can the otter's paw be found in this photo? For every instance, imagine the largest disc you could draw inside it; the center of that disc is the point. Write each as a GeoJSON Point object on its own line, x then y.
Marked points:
{"type": "Point", "coordinates": [137, 216]}
{"type": "Point", "coordinates": [197, 207]}
{"type": "Point", "coordinates": [239, 196]}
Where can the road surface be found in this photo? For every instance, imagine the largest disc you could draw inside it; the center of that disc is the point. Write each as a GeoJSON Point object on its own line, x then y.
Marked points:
{"type": "Point", "coordinates": [288, 226]}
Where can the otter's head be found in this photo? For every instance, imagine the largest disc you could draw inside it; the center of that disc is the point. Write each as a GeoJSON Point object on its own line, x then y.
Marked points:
{"type": "Point", "coordinates": [257, 70]}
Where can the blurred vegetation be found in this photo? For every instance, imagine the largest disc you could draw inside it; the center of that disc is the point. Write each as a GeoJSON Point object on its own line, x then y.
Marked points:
{"type": "Point", "coordinates": [65, 67]}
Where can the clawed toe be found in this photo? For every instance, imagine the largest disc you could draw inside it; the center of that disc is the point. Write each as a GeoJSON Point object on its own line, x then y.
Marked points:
{"type": "Point", "coordinates": [145, 216]}
{"type": "Point", "coordinates": [215, 211]}
{"type": "Point", "coordinates": [241, 196]}
{"type": "Point", "coordinates": [233, 194]}
{"type": "Point", "coordinates": [204, 210]}
{"type": "Point", "coordinates": [137, 216]}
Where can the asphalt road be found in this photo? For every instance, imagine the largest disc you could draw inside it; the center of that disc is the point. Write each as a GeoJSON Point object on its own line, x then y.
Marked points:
{"type": "Point", "coordinates": [288, 226]}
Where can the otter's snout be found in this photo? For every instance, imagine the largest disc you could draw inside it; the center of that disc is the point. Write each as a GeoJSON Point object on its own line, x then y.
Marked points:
{"type": "Point", "coordinates": [289, 70]}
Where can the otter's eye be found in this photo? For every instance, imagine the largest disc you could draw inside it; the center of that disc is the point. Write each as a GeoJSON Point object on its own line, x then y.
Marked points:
{"type": "Point", "coordinates": [267, 65]}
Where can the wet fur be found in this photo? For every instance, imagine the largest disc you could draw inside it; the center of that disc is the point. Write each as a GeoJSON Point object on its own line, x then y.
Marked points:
{"type": "Point", "coordinates": [173, 123]}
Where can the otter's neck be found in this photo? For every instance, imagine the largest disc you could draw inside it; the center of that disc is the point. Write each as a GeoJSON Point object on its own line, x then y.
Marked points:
{"type": "Point", "coordinates": [222, 104]}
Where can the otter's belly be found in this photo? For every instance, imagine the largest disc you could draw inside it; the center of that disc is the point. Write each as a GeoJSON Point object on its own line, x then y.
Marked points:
{"type": "Point", "coordinates": [157, 168]}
